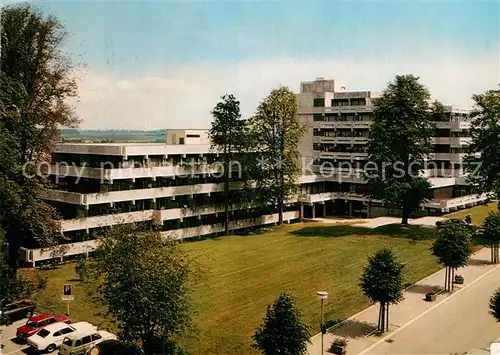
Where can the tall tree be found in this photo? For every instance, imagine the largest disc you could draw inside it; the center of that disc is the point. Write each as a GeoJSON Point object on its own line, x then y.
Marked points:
{"type": "Point", "coordinates": [147, 290]}
{"type": "Point", "coordinates": [283, 331]}
{"type": "Point", "coordinates": [227, 135]}
{"type": "Point", "coordinates": [275, 132]}
{"type": "Point", "coordinates": [382, 281]}
{"type": "Point", "coordinates": [495, 305]}
{"type": "Point", "coordinates": [400, 141]}
{"type": "Point", "coordinates": [491, 232]}
{"type": "Point", "coordinates": [452, 248]}
{"type": "Point", "coordinates": [485, 132]}
{"type": "Point", "coordinates": [36, 80]}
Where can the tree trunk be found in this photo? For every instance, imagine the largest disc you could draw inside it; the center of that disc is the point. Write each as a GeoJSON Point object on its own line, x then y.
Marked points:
{"type": "Point", "coordinates": [446, 278]}
{"type": "Point", "coordinates": [379, 324]}
{"type": "Point", "coordinates": [226, 189]}
{"type": "Point", "coordinates": [13, 254]}
{"type": "Point", "coordinates": [148, 345]}
{"type": "Point", "coordinates": [405, 216]}
{"type": "Point", "coordinates": [387, 318]}
{"type": "Point", "coordinates": [452, 279]}
{"type": "Point", "coordinates": [280, 212]}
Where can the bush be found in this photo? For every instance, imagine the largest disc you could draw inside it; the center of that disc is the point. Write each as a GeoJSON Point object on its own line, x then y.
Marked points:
{"type": "Point", "coordinates": [81, 268]}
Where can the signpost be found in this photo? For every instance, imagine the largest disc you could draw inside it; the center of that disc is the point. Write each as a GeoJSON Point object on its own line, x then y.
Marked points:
{"type": "Point", "coordinates": [67, 295]}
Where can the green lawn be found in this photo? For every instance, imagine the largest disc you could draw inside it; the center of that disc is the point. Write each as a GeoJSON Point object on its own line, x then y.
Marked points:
{"type": "Point", "coordinates": [478, 213]}
{"type": "Point", "coordinates": [242, 274]}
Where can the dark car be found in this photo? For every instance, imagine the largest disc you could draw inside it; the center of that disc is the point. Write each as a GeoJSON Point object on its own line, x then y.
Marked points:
{"type": "Point", "coordinates": [17, 310]}
{"type": "Point", "coordinates": [472, 227]}
{"type": "Point", "coordinates": [114, 347]}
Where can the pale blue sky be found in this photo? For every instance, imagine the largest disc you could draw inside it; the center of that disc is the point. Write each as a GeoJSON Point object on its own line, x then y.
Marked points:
{"type": "Point", "coordinates": [163, 64]}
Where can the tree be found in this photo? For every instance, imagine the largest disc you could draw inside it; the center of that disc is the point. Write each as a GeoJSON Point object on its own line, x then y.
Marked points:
{"type": "Point", "coordinates": [485, 132]}
{"type": "Point", "coordinates": [226, 135]}
{"type": "Point", "coordinates": [275, 132]}
{"type": "Point", "coordinates": [495, 305]}
{"type": "Point", "coordinates": [400, 141]}
{"type": "Point", "coordinates": [142, 278]}
{"type": "Point", "coordinates": [382, 281]}
{"type": "Point", "coordinates": [36, 79]}
{"type": "Point", "coordinates": [283, 331]}
{"type": "Point", "coordinates": [491, 232]}
{"type": "Point", "coordinates": [452, 248]}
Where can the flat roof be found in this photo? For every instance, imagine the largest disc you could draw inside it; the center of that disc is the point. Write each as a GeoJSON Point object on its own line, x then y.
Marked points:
{"type": "Point", "coordinates": [132, 149]}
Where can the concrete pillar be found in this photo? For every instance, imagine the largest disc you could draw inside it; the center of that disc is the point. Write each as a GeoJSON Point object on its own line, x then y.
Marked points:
{"type": "Point", "coordinates": [313, 211]}
{"type": "Point", "coordinates": [301, 214]}
{"type": "Point", "coordinates": [350, 208]}
{"type": "Point", "coordinates": [324, 209]}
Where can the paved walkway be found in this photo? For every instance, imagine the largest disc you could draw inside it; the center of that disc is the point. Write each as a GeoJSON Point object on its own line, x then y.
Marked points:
{"type": "Point", "coordinates": [381, 221]}
{"type": "Point", "coordinates": [415, 325]}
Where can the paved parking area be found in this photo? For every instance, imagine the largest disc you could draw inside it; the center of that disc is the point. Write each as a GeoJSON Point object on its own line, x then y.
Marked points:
{"type": "Point", "coordinates": [7, 340]}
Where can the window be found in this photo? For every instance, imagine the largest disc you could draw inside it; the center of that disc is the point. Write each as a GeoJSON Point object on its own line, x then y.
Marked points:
{"type": "Point", "coordinates": [43, 333]}
{"type": "Point", "coordinates": [67, 342]}
{"type": "Point", "coordinates": [316, 132]}
{"type": "Point", "coordinates": [67, 330]}
{"type": "Point", "coordinates": [77, 343]}
{"type": "Point", "coordinates": [86, 340]}
{"type": "Point", "coordinates": [181, 140]}
{"type": "Point", "coordinates": [51, 320]}
{"type": "Point", "coordinates": [319, 102]}
{"type": "Point", "coordinates": [315, 146]}
{"type": "Point", "coordinates": [192, 135]}
{"type": "Point", "coordinates": [96, 336]}
{"type": "Point", "coordinates": [57, 334]}
{"type": "Point", "coordinates": [318, 117]}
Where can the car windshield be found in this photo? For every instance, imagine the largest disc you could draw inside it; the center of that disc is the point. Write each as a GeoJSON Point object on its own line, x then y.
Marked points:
{"type": "Point", "coordinates": [67, 342]}
{"type": "Point", "coordinates": [31, 324]}
{"type": "Point", "coordinates": [43, 333]}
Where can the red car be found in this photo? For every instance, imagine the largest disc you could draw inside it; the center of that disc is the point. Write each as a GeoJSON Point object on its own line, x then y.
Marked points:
{"type": "Point", "coordinates": [37, 322]}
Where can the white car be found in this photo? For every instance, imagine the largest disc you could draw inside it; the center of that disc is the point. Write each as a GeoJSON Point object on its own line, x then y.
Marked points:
{"type": "Point", "coordinates": [79, 343]}
{"type": "Point", "coordinates": [51, 337]}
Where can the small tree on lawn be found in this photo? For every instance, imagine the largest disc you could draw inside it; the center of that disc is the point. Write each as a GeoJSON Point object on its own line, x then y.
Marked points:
{"type": "Point", "coordinates": [382, 281]}
{"type": "Point", "coordinates": [283, 331]}
{"type": "Point", "coordinates": [495, 305]}
{"type": "Point", "coordinates": [491, 232]}
{"type": "Point", "coordinates": [452, 248]}
{"type": "Point", "coordinates": [142, 278]}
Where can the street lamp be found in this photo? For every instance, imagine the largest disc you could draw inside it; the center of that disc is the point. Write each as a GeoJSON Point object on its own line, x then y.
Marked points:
{"type": "Point", "coordinates": [323, 295]}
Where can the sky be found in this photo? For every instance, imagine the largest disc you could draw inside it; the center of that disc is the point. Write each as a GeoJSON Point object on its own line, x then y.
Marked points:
{"type": "Point", "coordinates": [165, 64]}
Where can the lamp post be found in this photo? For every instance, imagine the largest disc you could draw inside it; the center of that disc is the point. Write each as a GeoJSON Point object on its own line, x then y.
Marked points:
{"type": "Point", "coordinates": [323, 295]}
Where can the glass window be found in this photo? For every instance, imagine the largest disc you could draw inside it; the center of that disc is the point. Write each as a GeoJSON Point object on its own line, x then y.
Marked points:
{"type": "Point", "coordinates": [78, 343]}
{"type": "Point", "coordinates": [57, 334]}
{"type": "Point", "coordinates": [96, 336]}
{"type": "Point", "coordinates": [86, 340]}
{"type": "Point", "coordinates": [43, 333]}
{"type": "Point", "coordinates": [67, 330]}
{"type": "Point", "coordinates": [318, 117]}
{"type": "Point", "coordinates": [67, 342]}
{"type": "Point", "coordinates": [319, 102]}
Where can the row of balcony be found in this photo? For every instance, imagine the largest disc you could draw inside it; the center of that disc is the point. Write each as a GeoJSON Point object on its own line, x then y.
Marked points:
{"type": "Point", "coordinates": [342, 140]}
{"type": "Point", "coordinates": [452, 141]}
{"type": "Point", "coordinates": [130, 195]}
{"type": "Point", "coordinates": [40, 254]}
{"type": "Point", "coordinates": [453, 126]}
{"type": "Point", "coordinates": [104, 174]}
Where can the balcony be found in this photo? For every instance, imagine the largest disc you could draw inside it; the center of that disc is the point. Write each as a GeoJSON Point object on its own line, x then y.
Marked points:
{"type": "Point", "coordinates": [40, 254]}
{"type": "Point", "coordinates": [452, 204]}
{"type": "Point", "coordinates": [86, 223]}
{"type": "Point", "coordinates": [344, 140]}
{"type": "Point", "coordinates": [458, 142]}
{"type": "Point", "coordinates": [130, 195]}
{"type": "Point", "coordinates": [441, 140]}
{"type": "Point", "coordinates": [362, 124]}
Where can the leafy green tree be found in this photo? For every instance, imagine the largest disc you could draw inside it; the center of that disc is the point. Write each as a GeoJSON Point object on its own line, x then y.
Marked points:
{"type": "Point", "coordinates": [383, 281]}
{"type": "Point", "coordinates": [283, 331]}
{"type": "Point", "coordinates": [227, 136]}
{"type": "Point", "coordinates": [495, 305]}
{"type": "Point", "coordinates": [36, 79]}
{"type": "Point", "coordinates": [491, 232]}
{"type": "Point", "coordinates": [400, 141]}
{"type": "Point", "coordinates": [485, 132]}
{"type": "Point", "coordinates": [452, 248]}
{"type": "Point", "coordinates": [275, 132]}
{"type": "Point", "coordinates": [142, 278]}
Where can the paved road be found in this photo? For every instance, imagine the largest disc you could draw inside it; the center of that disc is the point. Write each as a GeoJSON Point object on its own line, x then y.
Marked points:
{"type": "Point", "coordinates": [457, 326]}
{"type": "Point", "coordinates": [8, 334]}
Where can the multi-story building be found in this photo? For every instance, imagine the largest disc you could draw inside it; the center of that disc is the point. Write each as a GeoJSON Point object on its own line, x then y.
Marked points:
{"type": "Point", "coordinates": [178, 185]}
{"type": "Point", "coordinates": [336, 147]}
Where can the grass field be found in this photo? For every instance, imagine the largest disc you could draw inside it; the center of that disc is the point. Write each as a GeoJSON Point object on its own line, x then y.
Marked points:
{"type": "Point", "coordinates": [478, 213]}
{"type": "Point", "coordinates": [242, 274]}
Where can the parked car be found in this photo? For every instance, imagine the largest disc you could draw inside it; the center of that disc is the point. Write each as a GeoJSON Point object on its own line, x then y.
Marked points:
{"type": "Point", "coordinates": [17, 310]}
{"type": "Point", "coordinates": [50, 337]}
{"type": "Point", "coordinates": [79, 343]}
{"type": "Point", "coordinates": [114, 347]}
{"type": "Point", "coordinates": [37, 322]}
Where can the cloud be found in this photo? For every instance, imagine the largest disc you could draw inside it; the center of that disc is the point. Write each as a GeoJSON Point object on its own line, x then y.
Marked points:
{"type": "Point", "coordinates": [183, 96]}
